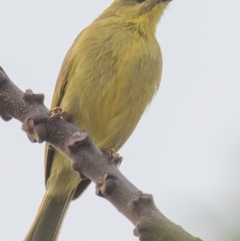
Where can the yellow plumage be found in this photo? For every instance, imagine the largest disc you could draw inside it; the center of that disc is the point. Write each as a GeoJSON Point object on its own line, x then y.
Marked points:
{"type": "Point", "coordinates": [107, 79]}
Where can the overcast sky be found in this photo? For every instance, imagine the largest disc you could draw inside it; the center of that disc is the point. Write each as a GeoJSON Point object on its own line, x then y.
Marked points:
{"type": "Point", "coordinates": [186, 148]}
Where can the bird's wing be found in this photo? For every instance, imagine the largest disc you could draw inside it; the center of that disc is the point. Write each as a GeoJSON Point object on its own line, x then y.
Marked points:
{"type": "Point", "coordinates": [59, 91]}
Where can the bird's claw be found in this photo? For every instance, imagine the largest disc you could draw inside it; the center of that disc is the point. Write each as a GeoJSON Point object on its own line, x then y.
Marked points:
{"type": "Point", "coordinates": [115, 157]}
{"type": "Point", "coordinates": [58, 112]}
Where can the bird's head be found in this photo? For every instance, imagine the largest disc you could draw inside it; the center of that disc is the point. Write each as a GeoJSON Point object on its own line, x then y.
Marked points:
{"type": "Point", "coordinates": [144, 13]}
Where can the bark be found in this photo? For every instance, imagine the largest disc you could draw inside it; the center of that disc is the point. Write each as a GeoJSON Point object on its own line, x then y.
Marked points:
{"type": "Point", "coordinates": [89, 162]}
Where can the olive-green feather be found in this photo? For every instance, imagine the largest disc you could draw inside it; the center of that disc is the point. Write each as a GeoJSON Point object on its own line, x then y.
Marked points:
{"type": "Point", "coordinates": [108, 78]}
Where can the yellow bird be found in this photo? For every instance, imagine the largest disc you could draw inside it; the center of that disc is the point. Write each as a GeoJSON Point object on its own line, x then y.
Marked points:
{"type": "Point", "coordinates": [107, 79]}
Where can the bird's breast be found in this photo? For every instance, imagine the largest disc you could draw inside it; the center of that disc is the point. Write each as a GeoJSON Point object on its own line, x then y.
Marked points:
{"type": "Point", "coordinates": [112, 78]}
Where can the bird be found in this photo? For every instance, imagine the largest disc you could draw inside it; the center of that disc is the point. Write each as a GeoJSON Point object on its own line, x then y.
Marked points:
{"type": "Point", "coordinates": [108, 77]}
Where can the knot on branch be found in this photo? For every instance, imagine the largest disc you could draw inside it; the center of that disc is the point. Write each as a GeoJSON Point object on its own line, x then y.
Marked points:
{"type": "Point", "coordinates": [30, 97]}
{"type": "Point", "coordinates": [2, 76]}
{"type": "Point", "coordinates": [140, 199]}
{"type": "Point", "coordinates": [35, 129]}
{"type": "Point", "coordinates": [105, 185]}
{"type": "Point", "coordinates": [29, 127]}
{"type": "Point", "coordinates": [135, 232]}
{"type": "Point", "coordinates": [77, 140]}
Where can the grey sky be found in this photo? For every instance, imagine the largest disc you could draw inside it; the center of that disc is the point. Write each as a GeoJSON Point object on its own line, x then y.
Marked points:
{"type": "Point", "coordinates": [186, 149]}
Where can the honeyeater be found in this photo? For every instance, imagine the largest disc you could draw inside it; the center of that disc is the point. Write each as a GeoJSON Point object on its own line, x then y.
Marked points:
{"type": "Point", "coordinates": [107, 79]}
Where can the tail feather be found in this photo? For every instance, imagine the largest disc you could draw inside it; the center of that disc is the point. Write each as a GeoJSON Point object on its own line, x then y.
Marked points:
{"type": "Point", "coordinates": [48, 221]}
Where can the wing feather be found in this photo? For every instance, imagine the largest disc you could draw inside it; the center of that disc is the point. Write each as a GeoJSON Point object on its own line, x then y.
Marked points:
{"type": "Point", "coordinates": [60, 89]}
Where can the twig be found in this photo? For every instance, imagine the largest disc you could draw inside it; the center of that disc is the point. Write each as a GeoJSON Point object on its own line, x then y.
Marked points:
{"type": "Point", "coordinates": [89, 162]}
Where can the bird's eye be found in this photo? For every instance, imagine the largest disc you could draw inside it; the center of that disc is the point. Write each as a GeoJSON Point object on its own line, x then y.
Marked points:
{"type": "Point", "coordinates": [140, 1]}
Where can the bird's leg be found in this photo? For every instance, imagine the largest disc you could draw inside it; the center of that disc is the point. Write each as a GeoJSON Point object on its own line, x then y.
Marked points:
{"type": "Point", "coordinates": [116, 158]}
{"type": "Point", "coordinates": [58, 112]}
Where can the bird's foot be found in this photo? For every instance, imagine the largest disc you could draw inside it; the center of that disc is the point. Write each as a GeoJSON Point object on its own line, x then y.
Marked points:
{"type": "Point", "coordinates": [58, 112]}
{"type": "Point", "coordinates": [115, 157]}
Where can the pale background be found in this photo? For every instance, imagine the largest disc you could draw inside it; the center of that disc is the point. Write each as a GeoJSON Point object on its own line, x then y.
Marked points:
{"type": "Point", "coordinates": [186, 149]}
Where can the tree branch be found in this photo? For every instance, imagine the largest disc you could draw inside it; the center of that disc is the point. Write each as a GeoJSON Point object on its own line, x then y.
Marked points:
{"type": "Point", "coordinates": [89, 162]}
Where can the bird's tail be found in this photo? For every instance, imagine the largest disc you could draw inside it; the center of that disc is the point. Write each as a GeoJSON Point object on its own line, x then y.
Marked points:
{"type": "Point", "coordinates": [49, 218]}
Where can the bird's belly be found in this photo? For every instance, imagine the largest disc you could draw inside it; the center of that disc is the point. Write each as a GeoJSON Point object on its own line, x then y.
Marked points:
{"type": "Point", "coordinates": [109, 113]}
